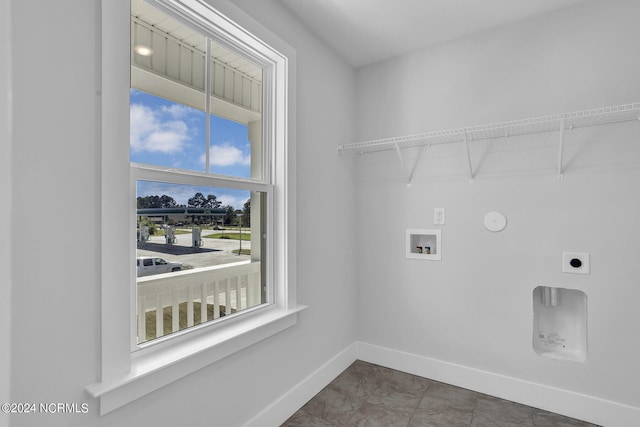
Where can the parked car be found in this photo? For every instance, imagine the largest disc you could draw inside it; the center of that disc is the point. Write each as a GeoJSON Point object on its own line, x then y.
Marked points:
{"type": "Point", "coordinates": [147, 266]}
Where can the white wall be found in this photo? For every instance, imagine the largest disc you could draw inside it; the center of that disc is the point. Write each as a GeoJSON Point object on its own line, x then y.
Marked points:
{"type": "Point", "coordinates": [56, 261]}
{"type": "Point", "coordinates": [474, 308]}
{"type": "Point", "coordinates": [5, 211]}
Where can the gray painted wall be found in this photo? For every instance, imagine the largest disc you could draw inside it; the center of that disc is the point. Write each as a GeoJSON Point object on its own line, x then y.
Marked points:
{"type": "Point", "coordinates": [474, 308]}
{"type": "Point", "coordinates": [55, 159]}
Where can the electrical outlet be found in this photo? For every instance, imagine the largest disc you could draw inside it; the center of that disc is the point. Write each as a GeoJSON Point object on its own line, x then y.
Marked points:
{"type": "Point", "coordinates": [576, 262]}
{"type": "Point", "coordinates": [438, 216]}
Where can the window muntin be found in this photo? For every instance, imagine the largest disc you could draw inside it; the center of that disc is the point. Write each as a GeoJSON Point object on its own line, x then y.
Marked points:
{"type": "Point", "coordinates": [190, 151]}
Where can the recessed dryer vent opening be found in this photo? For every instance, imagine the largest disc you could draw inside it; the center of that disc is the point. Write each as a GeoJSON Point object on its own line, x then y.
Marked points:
{"type": "Point", "coordinates": [560, 323]}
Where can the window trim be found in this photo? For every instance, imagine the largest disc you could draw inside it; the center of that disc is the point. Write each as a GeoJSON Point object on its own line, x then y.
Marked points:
{"type": "Point", "coordinates": [126, 375]}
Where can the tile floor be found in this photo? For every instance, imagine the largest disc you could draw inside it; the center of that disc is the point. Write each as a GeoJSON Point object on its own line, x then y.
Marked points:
{"type": "Point", "coordinates": [371, 395]}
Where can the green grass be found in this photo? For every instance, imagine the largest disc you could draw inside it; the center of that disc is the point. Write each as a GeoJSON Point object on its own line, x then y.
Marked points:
{"type": "Point", "coordinates": [161, 232]}
{"type": "Point", "coordinates": [232, 236]}
{"type": "Point", "coordinates": [182, 316]}
{"type": "Point", "coordinates": [244, 251]}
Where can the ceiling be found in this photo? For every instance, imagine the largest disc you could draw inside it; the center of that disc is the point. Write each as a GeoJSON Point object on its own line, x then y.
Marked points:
{"type": "Point", "coordinates": [366, 31]}
{"type": "Point", "coordinates": [170, 27]}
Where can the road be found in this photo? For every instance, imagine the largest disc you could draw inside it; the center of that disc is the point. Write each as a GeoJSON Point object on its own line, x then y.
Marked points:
{"type": "Point", "coordinates": [213, 252]}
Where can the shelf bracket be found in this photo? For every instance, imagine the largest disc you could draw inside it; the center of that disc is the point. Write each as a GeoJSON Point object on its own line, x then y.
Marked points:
{"type": "Point", "coordinates": [408, 171]}
{"type": "Point", "coordinates": [415, 164]}
{"type": "Point", "coordinates": [395, 144]}
{"type": "Point", "coordinates": [561, 151]}
{"type": "Point", "coordinates": [472, 178]}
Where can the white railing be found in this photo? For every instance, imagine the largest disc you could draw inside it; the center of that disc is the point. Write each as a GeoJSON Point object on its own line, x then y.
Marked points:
{"type": "Point", "coordinates": [227, 288]}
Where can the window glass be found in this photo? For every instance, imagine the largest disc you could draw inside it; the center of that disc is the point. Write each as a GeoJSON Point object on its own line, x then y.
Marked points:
{"type": "Point", "coordinates": [211, 250]}
{"type": "Point", "coordinates": [195, 106]}
{"type": "Point", "coordinates": [236, 114]}
{"type": "Point", "coordinates": [166, 133]}
{"type": "Point", "coordinates": [230, 148]}
{"type": "Point", "coordinates": [173, 123]}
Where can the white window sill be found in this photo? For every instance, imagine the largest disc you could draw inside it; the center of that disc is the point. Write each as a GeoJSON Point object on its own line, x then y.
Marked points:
{"type": "Point", "coordinates": [154, 369]}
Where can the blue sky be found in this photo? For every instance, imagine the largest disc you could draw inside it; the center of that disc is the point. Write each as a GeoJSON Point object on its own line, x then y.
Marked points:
{"type": "Point", "coordinates": [165, 133]}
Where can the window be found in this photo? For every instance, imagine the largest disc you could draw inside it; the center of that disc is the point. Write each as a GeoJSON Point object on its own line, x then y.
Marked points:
{"type": "Point", "coordinates": [203, 143]}
{"type": "Point", "coordinates": [197, 159]}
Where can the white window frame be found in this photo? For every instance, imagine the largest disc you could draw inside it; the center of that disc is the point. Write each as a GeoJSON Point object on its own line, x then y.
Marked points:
{"type": "Point", "coordinates": [125, 374]}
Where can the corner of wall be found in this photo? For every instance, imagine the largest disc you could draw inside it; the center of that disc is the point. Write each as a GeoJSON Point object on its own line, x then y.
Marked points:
{"type": "Point", "coordinates": [285, 406]}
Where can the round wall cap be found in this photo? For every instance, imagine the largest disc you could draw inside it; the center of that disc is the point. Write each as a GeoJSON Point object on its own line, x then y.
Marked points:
{"type": "Point", "coordinates": [495, 221]}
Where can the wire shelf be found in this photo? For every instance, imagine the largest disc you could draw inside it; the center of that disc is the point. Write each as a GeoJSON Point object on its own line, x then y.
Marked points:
{"type": "Point", "coordinates": [550, 123]}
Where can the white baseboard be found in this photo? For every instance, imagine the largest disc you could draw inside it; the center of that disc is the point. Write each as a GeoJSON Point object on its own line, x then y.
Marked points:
{"type": "Point", "coordinates": [565, 402]}
{"type": "Point", "coordinates": [281, 409]}
{"type": "Point", "coordinates": [575, 405]}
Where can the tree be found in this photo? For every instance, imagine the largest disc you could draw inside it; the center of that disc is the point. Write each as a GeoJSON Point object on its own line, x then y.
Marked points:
{"type": "Point", "coordinates": [168, 202]}
{"type": "Point", "coordinates": [199, 201]}
{"type": "Point", "coordinates": [163, 201]}
{"type": "Point", "coordinates": [229, 214]}
{"type": "Point", "coordinates": [246, 214]}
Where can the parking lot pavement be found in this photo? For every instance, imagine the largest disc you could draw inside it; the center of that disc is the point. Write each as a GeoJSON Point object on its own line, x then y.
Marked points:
{"type": "Point", "coordinates": [213, 251]}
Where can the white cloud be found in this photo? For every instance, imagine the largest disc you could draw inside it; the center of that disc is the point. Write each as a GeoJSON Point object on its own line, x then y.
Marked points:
{"type": "Point", "coordinates": [237, 201]}
{"type": "Point", "coordinates": [177, 111]}
{"type": "Point", "coordinates": [228, 155]}
{"type": "Point", "coordinates": [150, 133]}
